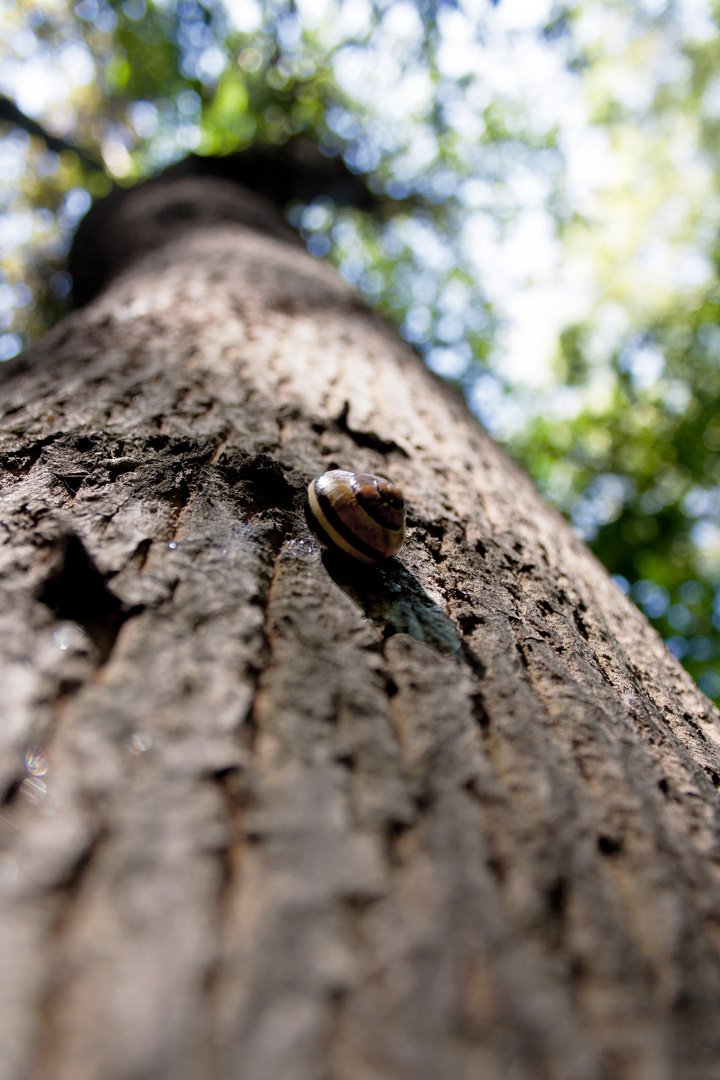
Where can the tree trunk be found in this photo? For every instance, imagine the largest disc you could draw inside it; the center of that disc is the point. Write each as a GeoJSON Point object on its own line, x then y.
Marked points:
{"type": "Point", "coordinates": [272, 816]}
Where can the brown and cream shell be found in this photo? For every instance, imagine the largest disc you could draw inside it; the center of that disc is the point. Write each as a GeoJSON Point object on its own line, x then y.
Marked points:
{"type": "Point", "coordinates": [357, 513]}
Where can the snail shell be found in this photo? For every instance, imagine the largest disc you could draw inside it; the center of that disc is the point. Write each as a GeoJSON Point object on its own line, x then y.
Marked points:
{"type": "Point", "coordinates": [360, 514]}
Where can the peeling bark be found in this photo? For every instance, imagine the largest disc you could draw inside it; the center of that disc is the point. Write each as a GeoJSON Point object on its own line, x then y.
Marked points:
{"type": "Point", "coordinates": [271, 815]}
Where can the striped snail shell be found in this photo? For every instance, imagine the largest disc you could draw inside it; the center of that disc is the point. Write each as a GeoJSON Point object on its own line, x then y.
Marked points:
{"type": "Point", "coordinates": [361, 514]}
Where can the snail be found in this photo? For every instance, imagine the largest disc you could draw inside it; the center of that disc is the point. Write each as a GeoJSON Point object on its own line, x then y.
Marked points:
{"type": "Point", "coordinates": [360, 514]}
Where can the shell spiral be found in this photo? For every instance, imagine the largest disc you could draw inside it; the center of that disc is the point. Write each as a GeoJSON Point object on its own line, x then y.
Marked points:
{"type": "Point", "coordinates": [360, 514]}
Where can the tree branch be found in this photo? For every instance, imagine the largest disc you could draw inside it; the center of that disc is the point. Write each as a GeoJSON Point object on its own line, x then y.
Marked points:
{"type": "Point", "coordinates": [12, 115]}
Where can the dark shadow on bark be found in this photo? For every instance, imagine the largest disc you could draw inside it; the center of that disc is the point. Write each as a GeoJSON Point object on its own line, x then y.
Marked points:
{"type": "Point", "coordinates": [76, 590]}
{"type": "Point", "coordinates": [396, 603]}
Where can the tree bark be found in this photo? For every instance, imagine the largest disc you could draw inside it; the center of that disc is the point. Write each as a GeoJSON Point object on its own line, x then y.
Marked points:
{"type": "Point", "coordinates": [270, 815]}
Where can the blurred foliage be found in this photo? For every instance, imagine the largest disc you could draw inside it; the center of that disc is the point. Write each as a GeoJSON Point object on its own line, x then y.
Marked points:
{"type": "Point", "coordinates": [640, 479]}
{"type": "Point", "coordinates": [545, 231]}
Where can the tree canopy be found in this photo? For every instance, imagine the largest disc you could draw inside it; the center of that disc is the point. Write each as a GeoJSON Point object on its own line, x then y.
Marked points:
{"type": "Point", "coordinates": [541, 219]}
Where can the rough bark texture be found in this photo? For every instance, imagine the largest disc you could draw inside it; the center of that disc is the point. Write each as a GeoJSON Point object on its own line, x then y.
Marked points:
{"type": "Point", "coordinates": [271, 816]}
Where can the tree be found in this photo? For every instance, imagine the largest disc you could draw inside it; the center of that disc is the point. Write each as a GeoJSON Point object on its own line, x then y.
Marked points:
{"type": "Point", "coordinates": [273, 815]}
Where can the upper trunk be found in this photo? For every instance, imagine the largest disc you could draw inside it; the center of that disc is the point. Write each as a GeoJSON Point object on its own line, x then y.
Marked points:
{"type": "Point", "coordinates": [274, 816]}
